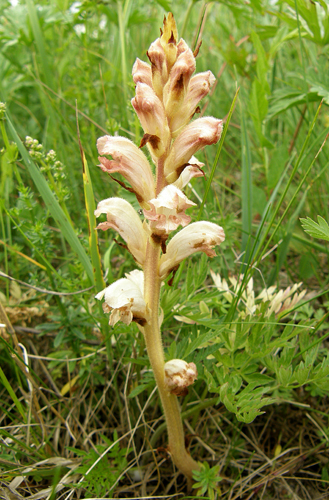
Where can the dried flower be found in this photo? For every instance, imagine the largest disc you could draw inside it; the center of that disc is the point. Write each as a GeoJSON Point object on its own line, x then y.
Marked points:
{"type": "Point", "coordinates": [179, 375]}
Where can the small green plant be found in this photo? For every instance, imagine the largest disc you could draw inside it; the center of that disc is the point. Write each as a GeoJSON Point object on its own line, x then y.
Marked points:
{"type": "Point", "coordinates": [101, 467]}
{"type": "Point", "coordinates": [207, 480]}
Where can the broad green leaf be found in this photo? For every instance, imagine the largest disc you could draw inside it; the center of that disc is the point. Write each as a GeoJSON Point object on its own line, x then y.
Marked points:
{"type": "Point", "coordinates": [258, 108]}
{"type": "Point", "coordinates": [140, 388]}
{"type": "Point", "coordinates": [318, 229]}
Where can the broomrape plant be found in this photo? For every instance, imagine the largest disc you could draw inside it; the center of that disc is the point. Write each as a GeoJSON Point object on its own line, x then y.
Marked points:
{"type": "Point", "coordinates": [167, 97]}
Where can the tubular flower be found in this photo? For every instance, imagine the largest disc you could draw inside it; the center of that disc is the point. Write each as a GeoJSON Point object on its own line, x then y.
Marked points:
{"type": "Point", "coordinates": [197, 237]}
{"type": "Point", "coordinates": [168, 211]}
{"type": "Point", "coordinates": [124, 299]}
{"type": "Point", "coordinates": [199, 86]}
{"type": "Point", "coordinates": [122, 217]}
{"type": "Point", "coordinates": [201, 132]}
{"type": "Point", "coordinates": [153, 119]}
{"type": "Point", "coordinates": [179, 375]}
{"type": "Point", "coordinates": [130, 162]}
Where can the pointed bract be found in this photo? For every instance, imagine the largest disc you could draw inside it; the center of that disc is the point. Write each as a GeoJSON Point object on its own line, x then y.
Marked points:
{"type": "Point", "coordinates": [168, 40]}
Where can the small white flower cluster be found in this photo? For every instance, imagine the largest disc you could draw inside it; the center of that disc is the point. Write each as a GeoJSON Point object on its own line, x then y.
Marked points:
{"type": "Point", "coordinates": [278, 302]}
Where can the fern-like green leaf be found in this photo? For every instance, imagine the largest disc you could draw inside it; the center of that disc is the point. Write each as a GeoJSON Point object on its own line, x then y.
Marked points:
{"type": "Point", "coordinates": [318, 229]}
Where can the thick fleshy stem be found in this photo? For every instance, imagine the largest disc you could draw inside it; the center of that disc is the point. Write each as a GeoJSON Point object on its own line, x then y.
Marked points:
{"type": "Point", "coordinates": [183, 461]}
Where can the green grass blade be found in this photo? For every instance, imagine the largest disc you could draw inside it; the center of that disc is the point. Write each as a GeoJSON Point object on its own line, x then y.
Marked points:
{"type": "Point", "coordinates": [40, 42]}
{"type": "Point", "coordinates": [246, 188]}
{"type": "Point", "coordinates": [220, 145]}
{"type": "Point", "coordinates": [264, 246]}
{"type": "Point", "coordinates": [12, 394]}
{"type": "Point", "coordinates": [53, 205]}
{"type": "Point", "coordinates": [93, 237]}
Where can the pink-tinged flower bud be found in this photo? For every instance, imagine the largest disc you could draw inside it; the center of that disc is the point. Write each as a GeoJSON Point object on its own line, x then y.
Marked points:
{"type": "Point", "coordinates": [200, 236]}
{"type": "Point", "coordinates": [130, 162]}
{"type": "Point", "coordinates": [157, 57]}
{"type": "Point", "coordinates": [124, 299]}
{"type": "Point", "coordinates": [122, 217]}
{"type": "Point", "coordinates": [192, 169]}
{"type": "Point", "coordinates": [179, 375]}
{"type": "Point", "coordinates": [181, 47]}
{"type": "Point", "coordinates": [199, 86]}
{"type": "Point", "coordinates": [175, 89]}
{"type": "Point", "coordinates": [153, 119]}
{"type": "Point", "coordinates": [201, 132]}
{"type": "Point", "coordinates": [142, 72]}
{"type": "Point", "coordinates": [168, 211]}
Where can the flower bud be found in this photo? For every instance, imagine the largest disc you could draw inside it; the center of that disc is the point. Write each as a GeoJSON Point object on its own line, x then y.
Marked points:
{"type": "Point", "coordinates": [179, 375]}
{"type": "Point", "coordinates": [157, 57]}
{"type": "Point", "coordinates": [198, 87]}
{"type": "Point", "coordinates": [175, 89]}
{"type": "Point", "coordinates": [153, 119]}
{"type": "Point", "coordinates": [142, 72]}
